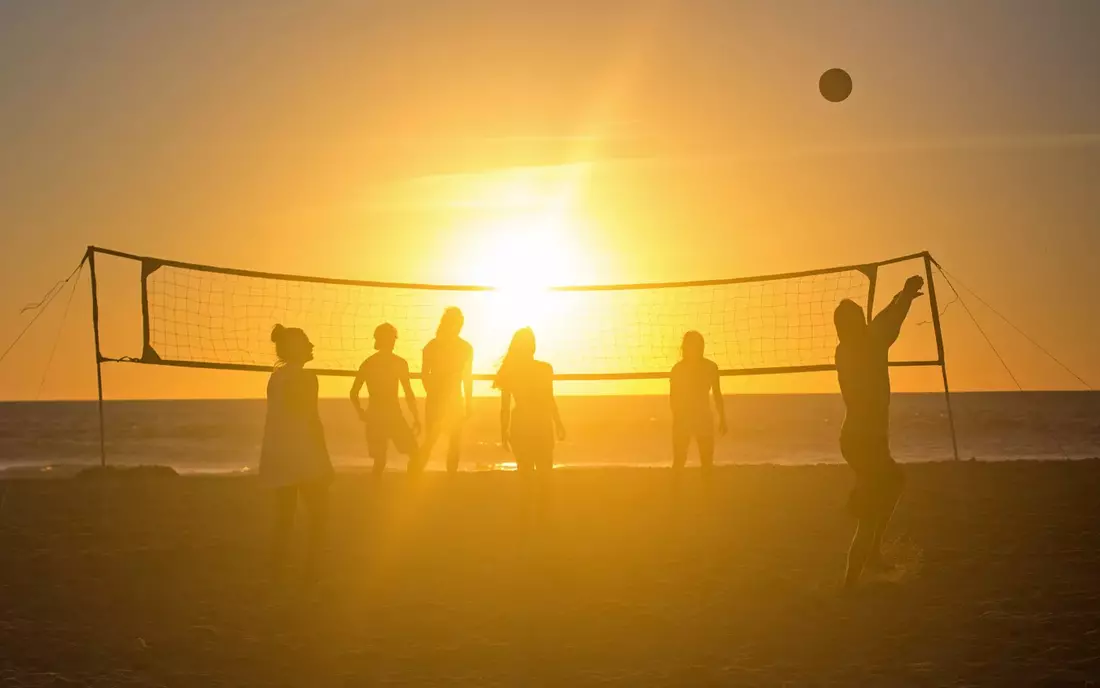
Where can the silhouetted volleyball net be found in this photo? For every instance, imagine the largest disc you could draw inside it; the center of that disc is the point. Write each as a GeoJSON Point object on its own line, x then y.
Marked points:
{"type": "Point", "coordinates": [210, 317]}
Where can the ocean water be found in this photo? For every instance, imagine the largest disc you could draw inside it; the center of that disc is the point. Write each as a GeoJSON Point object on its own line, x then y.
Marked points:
{"type": "Point", "coordinates": [224, 435]}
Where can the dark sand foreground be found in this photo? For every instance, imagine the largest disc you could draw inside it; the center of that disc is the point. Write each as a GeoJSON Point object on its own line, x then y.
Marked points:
{"type": "Point", "coordinates": [623, 580]}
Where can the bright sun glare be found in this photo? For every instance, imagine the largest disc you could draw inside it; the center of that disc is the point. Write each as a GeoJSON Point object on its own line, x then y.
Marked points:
{"type": "Point", "coordinates": [530, 252]}
{"type": "Point", "coordinates": [521, 258]}
{"type": "Point", "coordinates": [527, 227]}
{"type": "Point", "coordinates": [526, 235]}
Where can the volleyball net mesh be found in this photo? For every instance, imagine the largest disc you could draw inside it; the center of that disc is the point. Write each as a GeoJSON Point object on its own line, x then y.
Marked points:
{"type": "Point", "coordinates": [203, 316]}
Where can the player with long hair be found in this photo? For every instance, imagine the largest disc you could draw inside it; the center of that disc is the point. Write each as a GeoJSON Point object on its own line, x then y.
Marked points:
{"type": "Point", "coordinates": [529, 428]}
{"type": "Point", "coordinates": [447, 374]}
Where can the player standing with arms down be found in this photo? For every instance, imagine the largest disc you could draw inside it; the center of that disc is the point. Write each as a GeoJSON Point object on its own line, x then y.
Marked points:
{"type": "Point", "coordinates": [691, 382]}
{"type": "Point", "coordinates": [382, 373]}
{"type": "Point", "coordinates": [447, 373]}
{"type": "Point", "coordinates": [294, 458]}
{"type": "Point", "coordinates": [530, 428]}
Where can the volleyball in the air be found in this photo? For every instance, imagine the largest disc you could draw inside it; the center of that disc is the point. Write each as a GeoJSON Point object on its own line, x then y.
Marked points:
{"type": "Point", "coordinates": [835, 85]}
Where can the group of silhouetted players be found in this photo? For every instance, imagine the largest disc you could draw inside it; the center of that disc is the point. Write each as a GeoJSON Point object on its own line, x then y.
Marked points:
{"type": "Point", "coordinates": [294, 459]}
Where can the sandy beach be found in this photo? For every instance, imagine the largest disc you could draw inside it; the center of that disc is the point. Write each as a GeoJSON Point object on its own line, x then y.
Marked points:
{"type": "Point", "coordinates": [623, 578]}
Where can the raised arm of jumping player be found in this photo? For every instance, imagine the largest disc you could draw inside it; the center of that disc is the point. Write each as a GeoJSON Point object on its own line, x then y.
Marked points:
{"type": "Point", "coordinates": [887, 324]}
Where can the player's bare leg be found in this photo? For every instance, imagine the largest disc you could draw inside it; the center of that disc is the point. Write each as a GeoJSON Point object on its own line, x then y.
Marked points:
{"type": "Point", "coordinates": [454, 450]}
{"type": "Point", "coordinates": [681, 442]}
{"type": "Point", "coordinates": [860, 550]}
{"type": "Point", "coordinates": [379, 466]}
{"type": "Point", "coordinates": [706, 454]}
{"type": "Point", "coordinates": [887, 487]}
{"type": "Point", "coordinates": [286, 502]}
{"type": "Point", "coordinates": [430, 439]}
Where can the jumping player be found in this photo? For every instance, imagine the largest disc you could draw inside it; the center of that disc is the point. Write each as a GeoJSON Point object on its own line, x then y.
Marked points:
{"type": "Point", "coordinates": [864, 375]}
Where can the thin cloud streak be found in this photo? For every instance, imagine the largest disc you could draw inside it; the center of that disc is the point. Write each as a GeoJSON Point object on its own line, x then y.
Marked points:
{"type": "Point", "coordinates": [889, 147]}
{"type": "Point", "coordinates": [422, 191]}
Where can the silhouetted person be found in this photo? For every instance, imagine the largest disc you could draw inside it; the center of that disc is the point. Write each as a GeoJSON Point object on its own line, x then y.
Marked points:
{"type": "Point", "coordinates": [294, 459]}
{"type": "Point", "coordinates": [447, 373]}
{"type": "Point", "coordinates": [691, 383]}
{"type": "Point", "coordinates": [862, 366]}
{"type": "Point", "coordinates": [530, 428]}
{"type": "Point", "coordinates": [382, 373]}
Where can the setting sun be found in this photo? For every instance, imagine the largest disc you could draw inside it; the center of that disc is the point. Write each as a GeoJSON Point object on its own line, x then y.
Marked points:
{"type": "Point", "coordinates": [527, 230]}
{"type": "Point", "coordinates": [516, 227]}
{"type": "Point", "coordinates": [530, 251]}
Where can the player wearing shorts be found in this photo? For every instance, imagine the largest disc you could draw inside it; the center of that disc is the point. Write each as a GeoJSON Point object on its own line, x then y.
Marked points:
{"type": "Point", "coordinates": [383, 372]}
{"type": "Point", "coordinates": [862, 365]}
{"type": "Point", "coordinates": [692, 381]}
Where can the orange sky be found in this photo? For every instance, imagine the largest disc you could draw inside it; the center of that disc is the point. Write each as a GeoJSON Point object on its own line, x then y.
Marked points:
{"type": "Point", "coordinates": [399, 141]}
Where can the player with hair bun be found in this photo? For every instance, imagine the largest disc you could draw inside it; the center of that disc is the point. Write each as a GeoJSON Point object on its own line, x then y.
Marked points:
{"type": "Point", "coordinates": [294, 459]}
